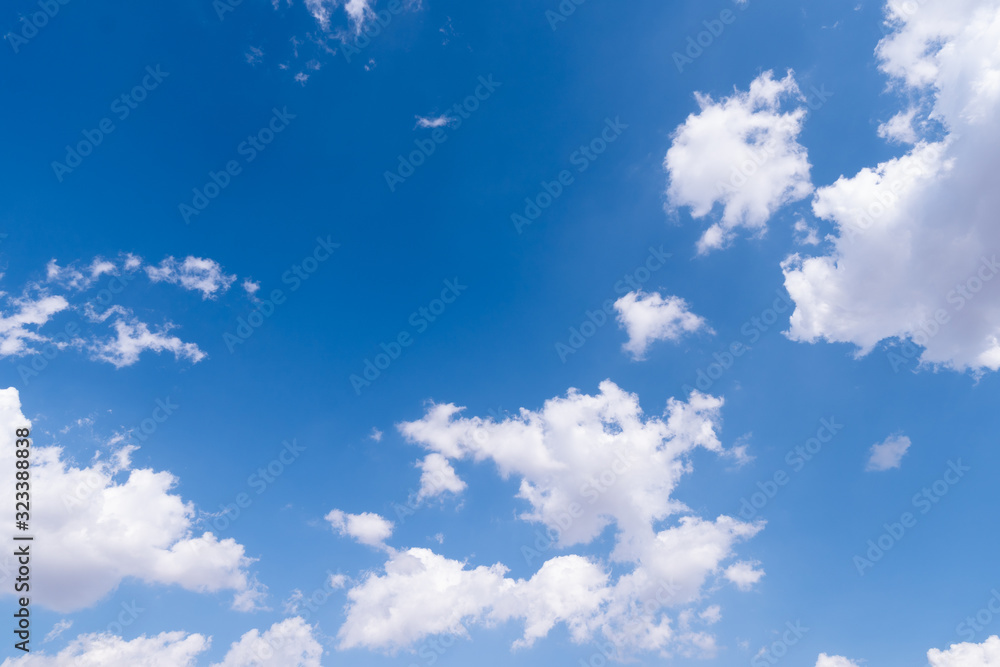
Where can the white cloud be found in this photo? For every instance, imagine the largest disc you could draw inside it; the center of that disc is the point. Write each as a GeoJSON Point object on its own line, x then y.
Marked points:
{"type": "Point", "coordinates": [358, 11]}
{"type": "Point", "coordinates": [366, 528]}
{"type": "Point", "coordinates": [443, 120]}
{"type": "Point", "coordinates": [107, 522]}
{"type": "Point", "coordinates": [437, 476]}
{"type": "Point", "coordinates": [60, 627]}
{"type": "Point", "coordinates": [825, 660]}
{"type": "Point", "coordinates": [652, 317]}
{"type": "Point", "coordinates": [805, 234]}
{"type": "Point", "coordinates": [900, 128]}
{"type": "Point", "coordinates": [134, 337]}
{"type": "Point", "coordinates": [741, 152]}
{"type": "Point", "coordinates": [194, 273]}
{"type": "Point", "coordinates": [585, 463]}
{"type": "Point", "coordinates": [19, 328]}
{"type": "Point", "coordinates": [744, 574]}
{"type": "Point", "coordinates": [168, 649]}
{"type": "Point", "coordinates": [251, 287]}
{"type": "Point", "coordinates": [967, 654]}
{"type": "Point", "coordinates": [289, 643]}
{"type": "Point", "coordinates": [888, 454]}
{"type": "Point", "coordinates": [915, 252]}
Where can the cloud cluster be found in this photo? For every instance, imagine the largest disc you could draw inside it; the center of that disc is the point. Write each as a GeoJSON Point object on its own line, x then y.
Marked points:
{"type": "Point", "coordinates": [740, 152]}
{"type": "Point", "coordinates": [585, 464]}
{"type": "Point", "coordinates": [23, 318]}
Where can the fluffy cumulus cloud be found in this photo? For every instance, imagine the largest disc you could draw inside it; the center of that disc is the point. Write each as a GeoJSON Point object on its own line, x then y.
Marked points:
{"type": "Point", "coordinates": [888, 454]}
{"type": "Point", "coordinates": [367, 528]}
{"type": "Point", "coordinates": [288, 643]}
{"type": "Point", "coordinates": [741, 153]}
{"type": "Point", "coordinates": [915, 254]}
{"type": "Point", "coordinates": [194, 273]}
{"type": "Point", "coordinates": [651, 317]}
{"type": "Point", "coordinates": [967, 654]}
{"type": "Point", "coordinates": [584, 464]}
{"type": "Point", "coordinates": [107, 522]}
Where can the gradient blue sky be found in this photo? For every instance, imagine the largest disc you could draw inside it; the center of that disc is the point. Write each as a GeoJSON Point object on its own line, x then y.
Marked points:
{"type": "Point", "coordinates": [494, 349]}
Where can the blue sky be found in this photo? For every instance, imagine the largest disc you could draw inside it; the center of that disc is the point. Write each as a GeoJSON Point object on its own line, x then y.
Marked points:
{"type": "Point", "coordinates": [784, 233]}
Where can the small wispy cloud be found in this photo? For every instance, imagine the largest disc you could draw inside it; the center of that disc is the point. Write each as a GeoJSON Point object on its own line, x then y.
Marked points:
{"type": "Point", "coordinates": [444, 120]}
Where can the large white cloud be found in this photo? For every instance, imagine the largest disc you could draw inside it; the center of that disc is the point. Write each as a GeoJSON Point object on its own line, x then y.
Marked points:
{"type": "Point", "coordinates": [108, 521]}
{"type": "Point", "coordinates": [585, 463]}
{"type": "Point", "coordinates": [740, 152]}
{"type": "Point", "coordinates": [652, 317]}
{"type": "Point", "coordinates": [914, 255]}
